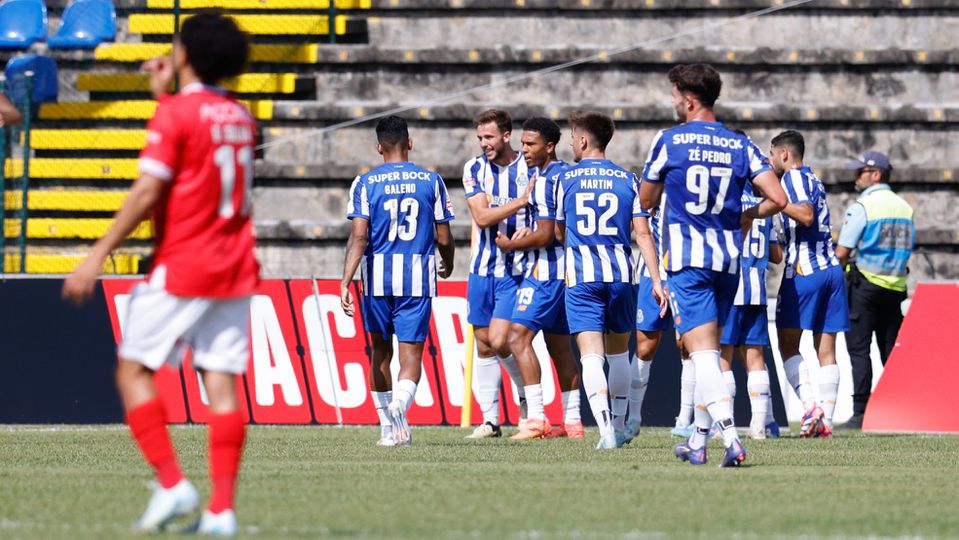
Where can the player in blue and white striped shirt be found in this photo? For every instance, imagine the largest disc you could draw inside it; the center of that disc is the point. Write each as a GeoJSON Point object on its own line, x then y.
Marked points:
{"type": "Point", "coordinates": [813, 291]}
{"type": "Point", "coordinates": [400, 212]}
{"type": "Point", "coordinates": [703, 166]}
{"type": "Point", "coordinates": [747, 327]}
{"type": "Point", "coordinates": [597, 205]}
{"type": "Point", "coordinates": [497, 189]}
{"type": "Point", "coordinates": [541, 298]}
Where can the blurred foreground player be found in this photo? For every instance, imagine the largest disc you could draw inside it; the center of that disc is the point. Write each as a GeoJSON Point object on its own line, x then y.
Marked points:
{"type": "Point", "coordinates": [196, 176]}
{"type": "Point", "coordinates": [703, 166]}
{"type": "Point", "coordinates": [399, 212]}
{"type": "Point", "coordinates": [597, 204]}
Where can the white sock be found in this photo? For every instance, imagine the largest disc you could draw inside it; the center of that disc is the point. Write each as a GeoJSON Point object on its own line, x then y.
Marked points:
{"type": "Point", "coordinates": [757, 384]}
{"type": "Point", "coordinates": [828, 390]}
{"type": "Point", "coordinates": [637, 388]}
{"type": "Point", "coordinates": [594, 382]}
{"type": "Point", "coordinates": [382, 400]}
{"type": "Point", "coordinates": [512, 369]}
{"type": "Point", "coordinates": [715, 394]}
{"type": "Point", "coordinates": [487, 376]}
{"type": "Point", "coordinates": [687, 390]}
{"type": "Point", "coordinates": [571, 407]}
{"type": "Point", "coordinates": [404, 390]}
{"type": "Point", "coordinates": [798, 376]}
{"type": "Point", "coordinates": [619, 379]}
{"type": "Point", "coordinates": [730, 381]}
{"type": "Point", "coordinates": [534, 401]}
{"type": "Point", "coordinates": [701, 420]}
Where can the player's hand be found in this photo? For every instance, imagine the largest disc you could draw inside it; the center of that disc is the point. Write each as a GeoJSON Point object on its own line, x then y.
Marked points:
{"type": "Point", "coordinates": [527, 192]}
{"type": "Point", "coordinates": [346, 299]}
{"type": "Point", "coordinates": [161, 74]}
{"type": "Point", "coordinates": [442, 270]}
{"type": "Point", "coordinates": [503, 242]}
{"type": "Point", "coordinates": [661, 299]}
{"type": "Point", "coordinates": [745, 223]}
{"type": "Point", "coordinates": [522, 232]}
{"type": "Point", "coordinates": [78, 287]}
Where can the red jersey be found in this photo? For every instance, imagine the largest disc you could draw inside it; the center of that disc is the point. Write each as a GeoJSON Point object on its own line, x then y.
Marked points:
{"type": "Point", "coordinates": [201, 140]}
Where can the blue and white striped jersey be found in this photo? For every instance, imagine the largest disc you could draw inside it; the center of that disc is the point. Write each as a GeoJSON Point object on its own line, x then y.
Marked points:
{"type": "Point", "coordinates": [402, 202]}
{"type": "Point", "coordinates": [807, 249]}
{"type": "Point", "coordinates": [546, 263]}
{"type": "Point", "coordinates": [755, 257]}
{"type": "Point", "coordinates": [657, 224]}
{"type": "Point", "coordinates": [704, 166]}
{"type": "Point", "coordinates": [598, 200]}
{"type": "Point", "coordinates": [499, 185]}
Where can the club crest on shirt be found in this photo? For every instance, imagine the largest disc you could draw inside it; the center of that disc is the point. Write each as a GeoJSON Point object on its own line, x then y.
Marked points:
{"type": "Point", "coordinates": [522, 180]}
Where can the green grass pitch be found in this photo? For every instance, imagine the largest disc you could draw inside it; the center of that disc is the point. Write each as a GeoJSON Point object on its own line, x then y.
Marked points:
{"type": "Point", "coordinates": [312, 482]}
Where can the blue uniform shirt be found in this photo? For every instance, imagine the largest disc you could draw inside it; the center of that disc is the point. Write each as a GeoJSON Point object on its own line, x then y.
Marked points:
{"type": "Point", "coordinates": [754, 261]}
{"type": "Point", "coordinates": [597, 200]}
{"type": "Point", "coordinates": [807, 249]}
{"type": "Point", "coordinates": [402, 202]}
{"type": "Point", "coordinates": [546, 263]}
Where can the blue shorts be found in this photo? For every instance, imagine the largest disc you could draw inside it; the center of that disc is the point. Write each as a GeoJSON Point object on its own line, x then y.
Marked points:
{"type": "Point", "coordinates": [815, 302]}
{"type": "Point", "coordinates": [699, 296]}
{"type": "Point", "coordinates": [647, 310]}
{"type": "Point", "coordinates": [406, 316]}
{"type": "Point", "coordinates": [489, 297]}
{"type": "Point", "coordinates": [746, 325]}
{"type": "Point", "coordinates": [541, 305]}
{"type": "Point", "coordinates": [601, 307]}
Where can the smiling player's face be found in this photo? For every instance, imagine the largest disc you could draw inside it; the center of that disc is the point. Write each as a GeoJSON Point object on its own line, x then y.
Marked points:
{"type": "Point", "coordinates": [492, 141]}
{"type": "Point", "coordinates": [535, 149]}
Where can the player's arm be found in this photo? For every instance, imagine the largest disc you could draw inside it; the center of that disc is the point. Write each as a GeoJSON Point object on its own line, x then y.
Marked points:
{"type": "Point", "coordinates": [650, 193]}
{"type": "Point", "coordinates": [9, 115]}
{"type": "Point", "coordinates": [144, 194]}
{"type": "Point", "coordinates": [774, 198]}
{"type": "Point", "coordinates": [651, 185]}
{"type": "Point", "coordinates": [647, 248]}
{"type": "Point", "coordinates": [853, 225]}
{"type": "Point", "coordinates": [775, 253]}
{"type": "Point", "coordinates": [446, 247]}
{"type": "Point", "coordinates": [355, 246]}
{"type": "Point", "coordinates": [485, 215]}
{"type": "Point", "coordinates": [543, 236]}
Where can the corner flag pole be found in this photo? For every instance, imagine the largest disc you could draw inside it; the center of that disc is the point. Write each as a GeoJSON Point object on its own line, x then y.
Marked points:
{"type": "Point", "coordinates": [467, 410]}
{"type": "Point", "coordinates": [329, 365]}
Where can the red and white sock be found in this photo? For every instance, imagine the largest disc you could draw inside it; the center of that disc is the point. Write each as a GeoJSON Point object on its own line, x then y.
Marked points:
{"type": "Point", "coordinates": [227, 433]}
{"type": "Point", "coordinates": [149, 428]}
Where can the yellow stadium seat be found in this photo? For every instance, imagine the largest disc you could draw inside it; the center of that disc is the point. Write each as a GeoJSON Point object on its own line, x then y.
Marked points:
{"type": "Point", "coordinates": [68, 200]}
{"type": "Point", "coordinates": [248, 83]}
{"type": "Point", "coordinates": [274, 25]}
{"type": "Point", "coordinates": [138, 52]}
{"type": "Point", "coordinates": [90, 229]}
{"type": "Point", "coordinates": [127, 110]}
{"type": "Point", "coordinates": [260, 4]}
{"type": "Point", "coordinates": [64, 264]}
{"type": "Point", "coordinates": [76, 168]}
{"type": "Point", "coordinates": [87, 139]}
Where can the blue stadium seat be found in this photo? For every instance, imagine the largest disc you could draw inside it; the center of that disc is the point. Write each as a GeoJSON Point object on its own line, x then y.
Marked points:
{"type": "Point", "coordinates": [44, 78]}
{"type": "Point", "coordinates": [86, 24]}
{"type": "Point", "coordinates": [22, 22]}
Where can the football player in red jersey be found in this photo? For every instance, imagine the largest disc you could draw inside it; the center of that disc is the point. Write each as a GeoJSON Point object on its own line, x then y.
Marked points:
{"type": "Point", "coordinates": [196, 174]}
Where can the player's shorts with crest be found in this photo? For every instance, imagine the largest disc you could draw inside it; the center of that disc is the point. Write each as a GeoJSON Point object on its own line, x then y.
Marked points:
{"type": "Point", "coordinates": [159, 327]}
{"type": "Point", "coordinates": [647, 310]}
{"type": "Point", "coordinates": [746, 325]}
{"type": "Point", "coordinates": [601, 307]}
{"type": "Point", "coordinates": [816, 302]}
{"type": "Point", "coordinates": [489, 297]}
{"type": "Point", "coordinates": [541, 305]}
{"type": "Point", "coordinates": [698, 296]}
{"type": "Point", "coordinates": [408, 317]}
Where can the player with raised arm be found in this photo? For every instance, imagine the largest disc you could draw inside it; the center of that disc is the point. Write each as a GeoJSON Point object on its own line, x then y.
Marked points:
{"type": "Point", "coordinates": [597, 204]}
{"type": "Point", "coordinates": [400, 214]}
{"type": "Point", "coordinates": [702, 166]}
{"type": "Point", "coordinates": [497, 189]}
{"type": "Point", "coordinates": [196, 177]}
{"type": "Point", "coordinates": [541, 298]}
{"type": "Point", "coordinates": [747, 327]}
{"type": "Point", "coordinates": [813, 291]}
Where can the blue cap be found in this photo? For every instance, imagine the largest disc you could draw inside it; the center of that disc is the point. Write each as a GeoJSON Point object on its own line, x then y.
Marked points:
{"type": "Point", "coordinates": [872, 158]}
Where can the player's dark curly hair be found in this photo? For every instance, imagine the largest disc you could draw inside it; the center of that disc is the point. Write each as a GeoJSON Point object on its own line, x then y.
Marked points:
{"type": "Point", "coordinates": [599, 127]}
{"type": "Point", "coordinates": [392, 131]}
{"type": "Point", "coordinates": [546, 128]}
{"type": "Point", "coordinates": [502, 119]}
{"type": "Point", "coordinates": [790, 139]}
{"type": "Point", "coordinates": [215, 46]}
{"type": "Point", "coordinates": [700, 80]}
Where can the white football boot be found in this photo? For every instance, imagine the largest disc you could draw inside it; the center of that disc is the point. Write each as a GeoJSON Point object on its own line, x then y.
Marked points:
{"type": "Point", "coordinates": [222, 524]}
{"type": "Point", "coordinates": [167, 504]}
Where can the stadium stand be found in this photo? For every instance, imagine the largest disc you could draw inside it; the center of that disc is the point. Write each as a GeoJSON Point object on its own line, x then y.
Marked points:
{"type": "Point", "coordinates": [858, 74]}
{"type": "Point", "coordinates": [22, 22]}
{"type": "Point", "coordinates": [86, 24]}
